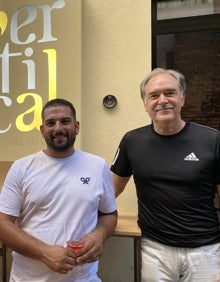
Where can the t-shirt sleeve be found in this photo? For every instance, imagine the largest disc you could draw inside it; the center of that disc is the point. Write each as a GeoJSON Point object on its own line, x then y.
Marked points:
{"type": "Point", "coordinates": [108, 202]}
{"type": "Point", "coordinates": [121, 165]}
{"type": "Point", "coordinates": [218, 159]}
{"type": "Point", "coordinates": [10, 197]}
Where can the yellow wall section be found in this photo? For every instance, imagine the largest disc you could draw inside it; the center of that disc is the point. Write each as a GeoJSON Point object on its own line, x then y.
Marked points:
{"type": "Point", "coordinates": [63, 80]}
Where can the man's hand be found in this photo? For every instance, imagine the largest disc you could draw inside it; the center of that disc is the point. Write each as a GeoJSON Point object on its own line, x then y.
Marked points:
{"type": "Point", "coordinates": [93, 241]}
{"type": "Point", "coordinates": [92, 249]}
{"type": "Point", "coordinates": [59, 259]}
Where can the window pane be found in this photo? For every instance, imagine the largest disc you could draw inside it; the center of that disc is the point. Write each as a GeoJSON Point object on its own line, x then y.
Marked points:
{"type": "Point", "coordinates": [186, 8]}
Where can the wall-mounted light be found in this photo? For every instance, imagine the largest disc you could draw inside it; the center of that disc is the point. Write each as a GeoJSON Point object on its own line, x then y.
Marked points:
{"type": "Point", "coordinates": [109, 101]}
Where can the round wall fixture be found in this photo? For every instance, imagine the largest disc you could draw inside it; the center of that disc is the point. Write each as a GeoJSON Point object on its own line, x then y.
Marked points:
{"type": "Point", "coordinates": [109, 101]}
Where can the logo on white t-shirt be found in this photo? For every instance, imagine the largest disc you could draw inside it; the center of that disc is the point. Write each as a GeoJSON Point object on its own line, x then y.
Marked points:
{"type": "Point", "coordinates": [85, 180]}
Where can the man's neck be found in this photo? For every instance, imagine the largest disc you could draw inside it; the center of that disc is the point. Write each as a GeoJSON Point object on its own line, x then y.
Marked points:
{"type": "Point", "coordinates": [169, 129]}
{"type": "Point", "coordinates": [59, 155]}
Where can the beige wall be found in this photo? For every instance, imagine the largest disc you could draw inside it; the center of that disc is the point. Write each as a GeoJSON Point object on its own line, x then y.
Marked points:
{"type": "Point", "coordinates": [116, 57]}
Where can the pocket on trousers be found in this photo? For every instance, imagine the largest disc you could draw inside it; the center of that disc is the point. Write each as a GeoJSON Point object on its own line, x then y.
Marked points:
{"type": "Point", "coordinates": [213, 250]}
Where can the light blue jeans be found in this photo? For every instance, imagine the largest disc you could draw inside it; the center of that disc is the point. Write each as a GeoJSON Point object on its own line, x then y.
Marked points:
{"type": "Point", "coordinates": [162, 263]}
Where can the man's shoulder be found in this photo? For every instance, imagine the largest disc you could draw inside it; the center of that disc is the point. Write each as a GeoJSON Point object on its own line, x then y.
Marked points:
{"type": "Point", "coordinates": [203, 134]}
{"type": "Point", "coordinates": [195, 127]}
{"type": "Point", "coordinates": [138, 131]}
{"type": "Point", "coordinates": [28, 158]}
{"type": "Point", "coordinates": [89, 156]}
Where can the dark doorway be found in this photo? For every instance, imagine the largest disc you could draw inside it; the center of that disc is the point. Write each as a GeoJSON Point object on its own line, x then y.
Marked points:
{"type": "Point", "coordinates": [192, 46]}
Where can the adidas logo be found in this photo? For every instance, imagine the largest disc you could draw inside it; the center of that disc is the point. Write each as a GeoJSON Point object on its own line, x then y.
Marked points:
{"type": "Point", "coordinates": [191, 157]}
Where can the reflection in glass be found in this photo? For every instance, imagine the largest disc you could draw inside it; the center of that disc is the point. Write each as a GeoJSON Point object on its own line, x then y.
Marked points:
{"type": "Point", "coordinates": [186, 8]}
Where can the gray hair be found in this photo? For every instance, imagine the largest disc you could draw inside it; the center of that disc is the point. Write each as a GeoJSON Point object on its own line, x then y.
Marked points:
{"type": "Point", "coordinates": [177, 75]}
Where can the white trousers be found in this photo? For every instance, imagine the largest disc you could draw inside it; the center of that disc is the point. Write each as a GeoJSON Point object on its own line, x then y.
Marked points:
{"type": "Point", "coordinates": [162, 263]}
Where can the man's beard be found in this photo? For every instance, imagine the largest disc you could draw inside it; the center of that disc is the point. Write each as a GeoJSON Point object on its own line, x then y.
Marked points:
{"type": "Point", "coordinates": [62, 147]}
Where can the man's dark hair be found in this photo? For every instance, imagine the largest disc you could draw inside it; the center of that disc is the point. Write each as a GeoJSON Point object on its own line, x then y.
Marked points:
{"type": "Point", "coordinates": [59, 102]}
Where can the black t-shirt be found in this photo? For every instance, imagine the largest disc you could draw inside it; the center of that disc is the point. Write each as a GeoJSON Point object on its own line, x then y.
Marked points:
{"type": "Point", "coordinates": [176, 178]}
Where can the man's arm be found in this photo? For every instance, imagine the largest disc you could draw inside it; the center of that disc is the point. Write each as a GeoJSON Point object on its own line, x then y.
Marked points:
{"type": "Point", "coordinates": [106, 224]}
{"type": "Point", "coordinates": [217, 200]}
{"type": "Point", "coordinates": [218, 192]}
{"type": "Point", "coordinates": [57, 258]}
{"type": "Point", "coordinates": [119, 183]}
{"type": "Point", "coordinates": [93, 242]}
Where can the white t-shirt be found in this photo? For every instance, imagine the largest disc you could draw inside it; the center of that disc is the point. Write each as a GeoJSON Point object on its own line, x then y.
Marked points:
{"type": "Point", "coordinates": [53, 199]}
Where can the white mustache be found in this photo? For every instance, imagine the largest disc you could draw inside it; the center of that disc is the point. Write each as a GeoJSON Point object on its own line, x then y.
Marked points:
{"type": "Point", "coordinates": [163, 107]}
